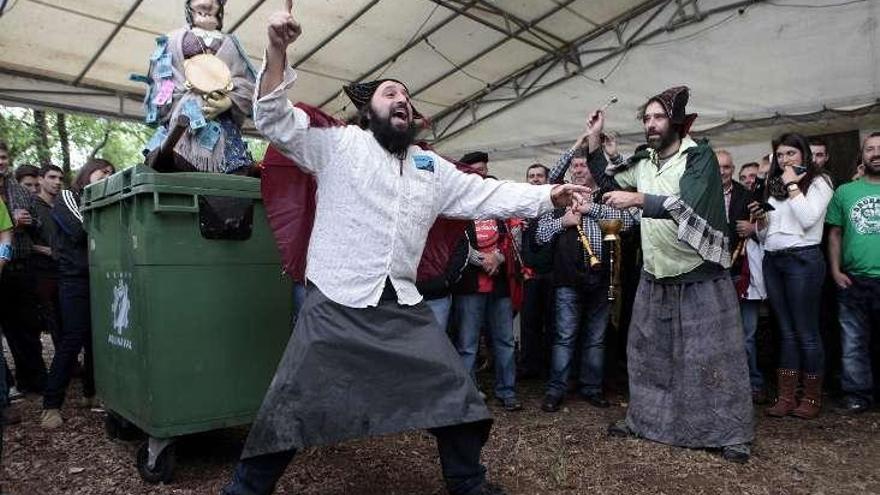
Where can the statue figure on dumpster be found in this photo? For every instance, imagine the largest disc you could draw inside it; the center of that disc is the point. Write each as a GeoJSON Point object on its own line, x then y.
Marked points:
{"type": "Point", "coordinates": [200, 73]}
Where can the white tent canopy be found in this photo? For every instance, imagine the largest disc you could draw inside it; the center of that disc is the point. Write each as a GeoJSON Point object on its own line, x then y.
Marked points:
{"type": "Point", "coordinates": [513, 77]}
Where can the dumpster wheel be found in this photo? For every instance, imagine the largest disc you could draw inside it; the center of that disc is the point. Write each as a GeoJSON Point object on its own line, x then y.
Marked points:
{"type": "Point", "coordinates": [118, 428]}
{"type": "Point", "coordinates": [163, 467]}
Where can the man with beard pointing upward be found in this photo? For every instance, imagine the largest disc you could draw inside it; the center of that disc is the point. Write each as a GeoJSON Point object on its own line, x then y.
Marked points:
{"type": "Point", "coordinates": [367, 357]}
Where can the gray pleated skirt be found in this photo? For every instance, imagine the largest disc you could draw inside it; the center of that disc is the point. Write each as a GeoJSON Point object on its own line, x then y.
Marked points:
{"type": "Point", "coordinates": [688, 373]}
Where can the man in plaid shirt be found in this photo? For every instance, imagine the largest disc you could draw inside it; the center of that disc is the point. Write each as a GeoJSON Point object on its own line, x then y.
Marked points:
{"type": "Point", "coordinates": [18, 285]}
{"type": "Point", "coordinates": [580, 289]}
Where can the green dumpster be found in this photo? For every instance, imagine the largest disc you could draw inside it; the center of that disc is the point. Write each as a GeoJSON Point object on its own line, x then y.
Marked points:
{"type": "Point", "coordinates": [190, 312]}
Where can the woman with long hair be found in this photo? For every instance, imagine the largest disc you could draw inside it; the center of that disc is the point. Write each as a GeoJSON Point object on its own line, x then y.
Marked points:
{"type": "Point", "coordinates": [73, 288]}
{"type": "Point", "coordinates": [798, 194]}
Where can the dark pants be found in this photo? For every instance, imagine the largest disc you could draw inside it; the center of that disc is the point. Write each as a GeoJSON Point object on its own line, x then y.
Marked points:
{"type": "Point", "coordinates": [860, 323]}
{"type": "Point", "coordinates": [4, 393]}
{"type": "Point", "coordinates": [75, 336]}
{"type": "Point", "coordinates": [536, 326]}
{"type": "Point", "coordinates": [459, 448]}
{"type": "Point", "coordinates": [20, 322]}
{"type": "Point", "coordinates": [794, 288]}
{"type": "Point", "coordinates": [749, 310]}
{"type": "Point", "coordinates": [47, 298]}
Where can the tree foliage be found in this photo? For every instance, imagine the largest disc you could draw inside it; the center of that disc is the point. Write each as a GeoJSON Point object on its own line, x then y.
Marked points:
{"type": "Point", "coordinates": [72, 139]}
{"type": "Point", "coordinates": [30, 133]}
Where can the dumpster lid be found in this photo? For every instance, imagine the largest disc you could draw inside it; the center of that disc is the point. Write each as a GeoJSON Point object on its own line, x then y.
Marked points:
{"type": "Point", "coordinates": [141, 178]}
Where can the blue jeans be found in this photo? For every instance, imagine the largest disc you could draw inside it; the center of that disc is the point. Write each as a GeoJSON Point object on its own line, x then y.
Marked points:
{"type": "Point", "coordinates": [440, 307]}
{"type": "Point", "coordinates": [585, 312]}
{"type": "Point", "coordinates": [859, 319]}
{"type": "Point", "coordinates": [459, 447]}
{"type": "Point", "coordinates": [749, 310]}
{"type": "Point", "coordinates": [471, 312]}
{"type": "Point", "coordinates": [794, 287]}
{"type": "Point", "coordinates": [299, 298]}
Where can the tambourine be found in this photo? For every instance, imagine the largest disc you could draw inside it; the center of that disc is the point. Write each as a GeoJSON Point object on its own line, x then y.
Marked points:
{"type": "Point", "coordinates": [206, 74]}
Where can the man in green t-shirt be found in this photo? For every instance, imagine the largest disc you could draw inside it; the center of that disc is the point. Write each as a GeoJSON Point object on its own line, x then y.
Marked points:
{"type": "Point", "coordinates": [854, 253]}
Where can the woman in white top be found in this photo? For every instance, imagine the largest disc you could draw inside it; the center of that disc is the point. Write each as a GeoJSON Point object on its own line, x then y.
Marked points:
{"type": "Point", "coordinates": [794, 269]}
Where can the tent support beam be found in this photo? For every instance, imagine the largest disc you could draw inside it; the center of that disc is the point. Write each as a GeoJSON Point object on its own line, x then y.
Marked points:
{"type": "Point", "coordinates": [645, 15]}
{"type": "Point", "coordinates": [107, 41]}
{"type": "Point", "coordinates": [247, 15]}
{"type": "Point", "coordinates": [563, 4]}
{"type": "Point", "coordinates": [351, 20]}
{"type": "Point", "coordinates": [401, 51]}
{"type": "Point", "coordinates": [103, 91]}
{"type": "Point", "coordinates": [494, 27]}
{"type": "Point", "coordinates": [536, 31]}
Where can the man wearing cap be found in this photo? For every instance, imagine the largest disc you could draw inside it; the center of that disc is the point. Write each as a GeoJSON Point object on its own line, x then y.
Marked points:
{"type": "Point", "coordinates": [482, 296]}
{"type": "Point", "coordinates": [478, 160]}
{"type": "Point", "coordinates": [367, 356]}
{"type": "Point", "coordinates": [688, 374]}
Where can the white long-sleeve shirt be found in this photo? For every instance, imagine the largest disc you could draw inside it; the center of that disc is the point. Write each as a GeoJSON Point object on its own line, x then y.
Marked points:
{"type": "Point", "coordinates": [797, 221]}
{"type": "Point", "coordinates": [373, 210]}
{"type": "Point", "coordinates": [755, 252]}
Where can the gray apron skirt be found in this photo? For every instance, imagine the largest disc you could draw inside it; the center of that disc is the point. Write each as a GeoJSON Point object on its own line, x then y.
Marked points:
{"type": "Point", "coordinates": [688, 373]}
{"type": "Point", "coordinates": [349, 373]}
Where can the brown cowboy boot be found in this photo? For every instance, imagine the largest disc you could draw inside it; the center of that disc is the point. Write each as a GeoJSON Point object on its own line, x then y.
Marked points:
{"type": "Point", "coordinates": [785, 401]}
{"type": "Point", "coordinates": [811, 403]}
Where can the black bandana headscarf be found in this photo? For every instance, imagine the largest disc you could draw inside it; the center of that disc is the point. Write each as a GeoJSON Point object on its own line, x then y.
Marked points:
{"type": "Point", "coordinates": [189, 14]}
{"type": "Point", "coordinates": [361, 93]}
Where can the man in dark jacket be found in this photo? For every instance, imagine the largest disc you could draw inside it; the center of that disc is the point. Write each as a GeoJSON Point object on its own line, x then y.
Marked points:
{"type": "Point", "coordinates": [44, 262]}
{"type": "Point", "coordinates": [736, 201]}
{"type": "Point", "coordinates": [536, 320]}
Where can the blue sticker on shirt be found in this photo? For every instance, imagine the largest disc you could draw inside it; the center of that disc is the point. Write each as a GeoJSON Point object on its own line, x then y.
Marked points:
{"type": "Point", "coordinates": [424, 162]}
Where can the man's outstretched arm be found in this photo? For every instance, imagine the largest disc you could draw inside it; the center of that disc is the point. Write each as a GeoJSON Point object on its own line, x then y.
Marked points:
{"type": "Point", "coordinates": [289, 128]}
{"type": "Point", "coordinates": [283, 30]}
{"type": "Point", "coordinates": [470, 196]}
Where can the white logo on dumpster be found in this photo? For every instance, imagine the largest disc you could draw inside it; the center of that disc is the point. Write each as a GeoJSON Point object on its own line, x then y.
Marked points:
{"type": "Point", "coordinates": [120, 309]}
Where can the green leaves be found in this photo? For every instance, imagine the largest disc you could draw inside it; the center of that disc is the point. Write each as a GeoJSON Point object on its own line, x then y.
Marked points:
{"type": "Point", "coordinates": [116, 141]}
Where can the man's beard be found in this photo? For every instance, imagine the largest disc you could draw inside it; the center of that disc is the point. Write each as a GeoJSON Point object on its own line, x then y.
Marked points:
{"type": "Point", "coordinates": [394, 140]}
{"type": "Point", "coordinates": [872, 167]}
{"type": "Point", "coordinates": [665, 139]}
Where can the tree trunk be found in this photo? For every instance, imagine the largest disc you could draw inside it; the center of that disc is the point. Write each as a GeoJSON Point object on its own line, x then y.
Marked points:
{"type": "Point", "coordinates": [43, 148]}
{"type": "Point", "coordinates": [103, 142]}
{"type": "Point", "coordinates": [64, 139]}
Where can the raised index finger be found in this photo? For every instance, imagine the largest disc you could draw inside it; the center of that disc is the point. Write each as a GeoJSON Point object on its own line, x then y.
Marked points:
{"type": "Point", "coordinates": [289, 5]}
